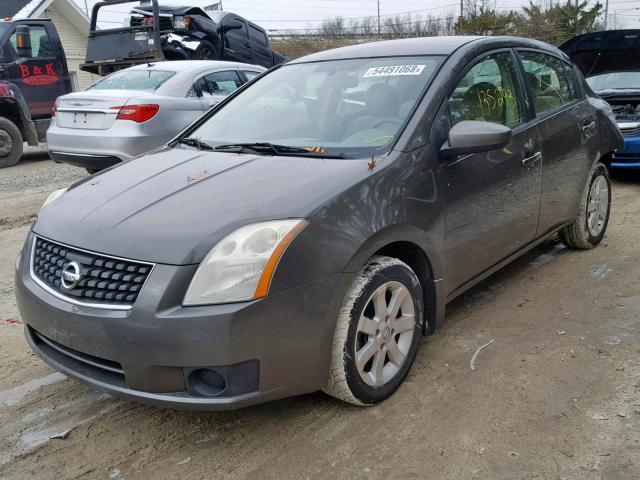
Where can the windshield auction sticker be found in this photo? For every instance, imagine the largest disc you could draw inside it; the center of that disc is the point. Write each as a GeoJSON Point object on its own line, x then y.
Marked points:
{"type": "Point", "coordinates": [394, 70]}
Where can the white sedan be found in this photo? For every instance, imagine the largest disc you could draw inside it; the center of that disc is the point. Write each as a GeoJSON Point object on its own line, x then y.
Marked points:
{"type": "Point", "coordinates": [133, 111]}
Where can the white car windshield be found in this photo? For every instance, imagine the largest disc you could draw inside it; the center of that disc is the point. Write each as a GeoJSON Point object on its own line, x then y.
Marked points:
{"type": "Point", "coordinates": [615, 80]}
{"type": "Point", "coordinates": [354, 107]}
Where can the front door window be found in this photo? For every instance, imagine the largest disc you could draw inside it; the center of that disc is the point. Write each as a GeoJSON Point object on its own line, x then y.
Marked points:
{"type": "Point", "coordinates": [488, 92]}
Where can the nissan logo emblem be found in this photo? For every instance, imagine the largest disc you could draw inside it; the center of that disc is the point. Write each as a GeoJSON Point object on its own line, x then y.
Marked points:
{"type": "Point", "coordinates": [70, 275]}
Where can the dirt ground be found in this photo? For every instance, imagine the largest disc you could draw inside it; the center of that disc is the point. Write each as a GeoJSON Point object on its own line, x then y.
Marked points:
{"type": "Point", "coordinates": [556, 396]}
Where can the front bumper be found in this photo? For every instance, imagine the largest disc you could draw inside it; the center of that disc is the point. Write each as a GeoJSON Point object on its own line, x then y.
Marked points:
{"type": "Point", "coordinates": [146, 353]}
{"type": "Point", "coordinates": [629, 156]}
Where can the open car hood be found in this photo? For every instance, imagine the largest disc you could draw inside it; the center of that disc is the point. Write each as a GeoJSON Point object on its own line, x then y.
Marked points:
{"type": "Point", "coordinates": [604, 52]}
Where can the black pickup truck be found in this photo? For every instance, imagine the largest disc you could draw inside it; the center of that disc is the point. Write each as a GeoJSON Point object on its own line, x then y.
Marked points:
{"type": "Point", "coordinates": [161, 32]}
{"type": "Point", "coordinates": [33, 73]}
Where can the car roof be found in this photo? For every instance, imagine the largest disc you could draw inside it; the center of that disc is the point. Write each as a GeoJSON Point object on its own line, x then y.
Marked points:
{"type": "Point", "coordinates": [444, 45]}
{"type": "Point", "coordinates": [393, 48]}
{"type": "Point", "coordinates": [194, 66]}
{"type": "Point", "coordinates": [186, 70]}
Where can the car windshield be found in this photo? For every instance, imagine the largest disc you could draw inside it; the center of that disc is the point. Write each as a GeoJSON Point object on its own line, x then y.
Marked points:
{"type": "Point", "coordinates": [145, 80]}
{"type": "Point", "coordinates": [353, 108]}
{"type": "Point", "coordinates": [615, 80]}
{"type": "Point", "coordinates": [216, 16]}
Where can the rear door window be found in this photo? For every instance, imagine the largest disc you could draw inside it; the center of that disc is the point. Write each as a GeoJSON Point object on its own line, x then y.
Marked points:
{"type": "Point", "coordinates": [489, 92]}
{"type": "Point", "coordinates": [144, 80]}
{"type": "Point", "coordinates": [574, 86]}
{"type": "Point", "coordinates": [547, 81]}
{"type": "Point", "coordinates": [218, 83]}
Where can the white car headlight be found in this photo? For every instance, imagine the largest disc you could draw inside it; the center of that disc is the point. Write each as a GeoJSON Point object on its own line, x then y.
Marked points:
{"type": "Point", "coordinates": [241, 265]}
{"type": "Point", "coordinates": [53, 197]}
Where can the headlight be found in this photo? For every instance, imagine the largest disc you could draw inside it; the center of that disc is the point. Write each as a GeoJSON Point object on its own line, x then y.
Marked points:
{"type": "Point", "coordinates": [241, 265]}
{"type": "Point", "coordinates": [182, 22]}
{"type": "Point", "coordinates": [53, 197]}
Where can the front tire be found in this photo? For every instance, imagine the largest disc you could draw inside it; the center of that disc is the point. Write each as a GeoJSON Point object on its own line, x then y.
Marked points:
{"type": "Point", "coordinates": [205, 51]}
{"type": "Point", "coordinates": [11, 143]}
{"type": "Point", "coordinates": [593, 217]}
{"type": "Point", "coordinates": [377, 334]}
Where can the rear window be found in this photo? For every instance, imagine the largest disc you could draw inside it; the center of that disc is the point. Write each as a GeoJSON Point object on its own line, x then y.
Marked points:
{"type": "Point", "coordinates": [145, 80]}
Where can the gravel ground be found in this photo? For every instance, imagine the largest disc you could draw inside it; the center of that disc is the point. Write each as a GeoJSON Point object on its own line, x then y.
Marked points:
{"type": "Point", "coordinates": [554, 397]}
{"type": "Point", "coordinates": [30, 174]}
{"type": "Point", "coordinates": [23, 188]}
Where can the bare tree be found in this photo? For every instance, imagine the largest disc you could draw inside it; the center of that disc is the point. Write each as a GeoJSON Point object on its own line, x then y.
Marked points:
{"type": "Point", "coordinates": [333, 27]}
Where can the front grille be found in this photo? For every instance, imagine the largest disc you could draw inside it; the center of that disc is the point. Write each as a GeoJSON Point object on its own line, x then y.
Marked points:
{"type": "Point", "coordinates": [631, 131]}
{"type": "Point", "coordinates": [166, 23]}
{"type": "Point", "coordinates": [104, 281]}
{"type": "Point", "coordinates": [88, 365]}
{"type": "Point", "coordinates": [92, 360]}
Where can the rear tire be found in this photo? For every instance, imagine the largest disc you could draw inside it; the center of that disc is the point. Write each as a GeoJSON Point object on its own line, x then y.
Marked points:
{"type": "Point", "coordinates": [377, 333]}
{"type": "Point", "coordinates": [11, 143]}
{"type": "Point", "coordinates": [588, 230]}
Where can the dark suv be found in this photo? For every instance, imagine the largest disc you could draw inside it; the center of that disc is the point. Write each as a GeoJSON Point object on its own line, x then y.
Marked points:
{"type": "Point", "coordinates": [191, 33]}
{"type": "Point", "coordinates": [162, 32]}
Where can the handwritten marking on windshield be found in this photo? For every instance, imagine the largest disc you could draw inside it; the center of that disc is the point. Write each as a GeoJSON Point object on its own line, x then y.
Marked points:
{"type": "Point", "coordinates": [387, 138]}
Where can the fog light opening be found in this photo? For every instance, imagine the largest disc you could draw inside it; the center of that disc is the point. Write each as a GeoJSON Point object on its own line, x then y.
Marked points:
{"type": "Point", "coordinates": [207, 382]}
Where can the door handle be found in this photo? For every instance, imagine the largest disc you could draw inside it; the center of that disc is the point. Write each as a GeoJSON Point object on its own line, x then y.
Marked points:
{"type": "Point", "coordinates": [586, 128]}
{"type": "Point", "coordinates": [530, 161]}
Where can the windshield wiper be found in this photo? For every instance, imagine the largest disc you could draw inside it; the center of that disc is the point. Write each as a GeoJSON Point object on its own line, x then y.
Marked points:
{"type": "Point", "coordinates": [194, 142]}
{"type": "Point", "coordinates": [264, 148]}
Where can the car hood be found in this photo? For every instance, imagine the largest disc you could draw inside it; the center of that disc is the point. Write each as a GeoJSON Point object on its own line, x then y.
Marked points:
{"type": "Point", "coordinates": [604, 52]}
{"type": "Point", "coordinates": [174, 205]}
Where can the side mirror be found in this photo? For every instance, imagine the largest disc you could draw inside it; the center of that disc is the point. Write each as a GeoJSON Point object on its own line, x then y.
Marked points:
{"type": "Point", "coordinates": [23, 42]}
{"type": "Point", "coordinates": [472, 136]}
{"type": "Point", "coordinates": [232, 25]}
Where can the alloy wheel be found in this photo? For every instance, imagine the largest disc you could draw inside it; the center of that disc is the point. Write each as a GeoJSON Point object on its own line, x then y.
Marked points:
{"type": "Point", "coordinates": [384, 333]}
{"type": "Point", "coordinates": [6, 143]}
{"type": "Point", "coordinates": [205, 53]}
{"type": "Point", "coordinates": [597, 206]}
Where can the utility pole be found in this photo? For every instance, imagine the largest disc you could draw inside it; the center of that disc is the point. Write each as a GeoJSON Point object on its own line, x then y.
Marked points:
{"type": "Point", "coordinates": [606, 14]}
{"type": "Point", "coordinates": [378, 17]}
{"type": "Point", "coordinates": [461, 10]}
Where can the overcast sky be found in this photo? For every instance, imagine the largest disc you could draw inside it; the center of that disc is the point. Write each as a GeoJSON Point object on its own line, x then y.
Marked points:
{"type": "Point", "coordinates": [301, 14]}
